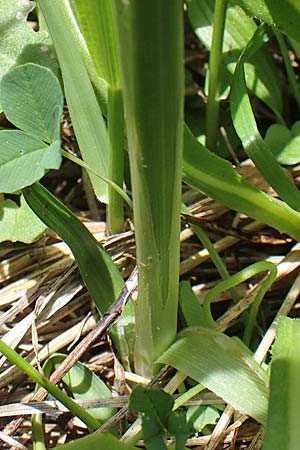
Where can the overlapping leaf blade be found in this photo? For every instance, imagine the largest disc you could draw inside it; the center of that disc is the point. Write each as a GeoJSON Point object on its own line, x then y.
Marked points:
{"type": "Point", "coordinates": [246, 128]}
{"type": "Point", "coordinates": [223, 366]}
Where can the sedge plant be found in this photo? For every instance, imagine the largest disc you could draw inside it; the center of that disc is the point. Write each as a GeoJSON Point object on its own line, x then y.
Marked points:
{"type": "Point", "coordinates": [131, 52]}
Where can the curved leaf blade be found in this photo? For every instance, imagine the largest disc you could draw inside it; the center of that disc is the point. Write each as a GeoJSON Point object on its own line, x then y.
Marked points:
{"type": "Point", "coordinates": [223, 366]}
{"type": "Point", "coordinates": [97, 269]}
{"type": "Point", "coordinates": [217, 178]}
{"type": "Point", "coordinates": [84, 385]}
{"type": "Point", "coordinates": [246, 128]}
{"type": "Point", "coordinates": [272, 12]}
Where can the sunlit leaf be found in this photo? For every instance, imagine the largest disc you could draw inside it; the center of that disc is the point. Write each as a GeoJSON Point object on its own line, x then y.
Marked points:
{"type": "Point", "coordinates": [282, 431]}
{"type": "Point", "coordinates": [19, 223]}
{"type": "Point", "coordinates": [223, 366]}
{"type": "Point", "coordinates": [84, 385]}
{"type": "Point", "coordinates": [246, 128]}
{"type": "Point", "coordinates": [285, 16]}
{"type": "Point", "coordinates": [217, 178]}
{"type": "Point", "coordinates": [284, 143]}
{"type": "Point", "coordinates": [25, 159]}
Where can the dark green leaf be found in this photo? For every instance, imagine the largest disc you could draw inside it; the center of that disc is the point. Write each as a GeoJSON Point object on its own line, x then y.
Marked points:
{"type": "Point", "coordinates": [98, 271]}
{"type": "Point", "coordinates": [178, 427]}
{"type": "Point", "coordinates": [153, 434]}
{"type": "Point", "coordinates": [152, 402]}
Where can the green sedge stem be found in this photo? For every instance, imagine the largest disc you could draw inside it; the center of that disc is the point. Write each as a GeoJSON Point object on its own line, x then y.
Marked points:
{"type": "Point", "coordinates": [82, 164]}
{"type": "Point", "coordinates": [35, 375]}
{"type": "Point", "coordinates": [38, 439]}
{"type": "Point", "coordinates": [288, 66]}
{"type": "Point", "coordinates": [215, 59]}
{"type": "Point", "coordinates": [116, 166]}
{"type": "Point", "coordinates": [239, 278]}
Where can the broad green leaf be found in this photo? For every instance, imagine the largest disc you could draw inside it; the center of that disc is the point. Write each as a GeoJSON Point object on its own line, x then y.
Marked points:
{"type": "Point", "coordinates": [97, 441]}
{"type": "Point", "coordinates": [32, 100]}
{"type": "Point", "coordinates": [217, 178]}
{"type": "Point", "coordinates": [98, 271]}
{"type": "Point", "coordinates": [84, 385]}
{"type": "Point", "coordinates": [19, 223]}
{"type": "Point", "coordinates": [25, 159]}
{"type": "Point", "coordinates": [223, 366]}
{"type": "Point", "coordinates": [261, 74]}
{"type": "Point", "coordinates": [283, 15]}
{"type": "Point", "coordinates": [284, 143]}
{"type": "Point", "coordinates": [19, 43]}
{"type": "Point", "coordinates": [82, 101]}
{"type": "Point", "coordinates": [282, 431]}
{"type": "Point", "coordinates": [246, 128]}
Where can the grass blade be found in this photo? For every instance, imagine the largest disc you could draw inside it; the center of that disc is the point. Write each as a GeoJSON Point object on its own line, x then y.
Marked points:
{"type": "Point", "coordinates": [98, 271]}
{"type": "Point", "coordinates": [217, 178]}
{"type": "Point", "coordinates": [84, 109]}
{"type": "Point", "coordinates": [151, 48]}
{"type": "Point", "coordinates": [245, 125]}
{"type": "Point", "coordinates": [282, 431]}
{"type": "Point", "coordinates": [97, 22]}
{"type": "Point", "coordinates": [222, 365]}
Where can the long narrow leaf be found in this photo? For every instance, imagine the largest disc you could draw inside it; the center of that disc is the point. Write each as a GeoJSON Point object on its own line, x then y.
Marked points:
{"type": "Point", "coordinates": [98, 271]}
{"type": "Point", "coordinates": [84, 109]}
{"type": "Point", "coordinates": [151, 48]}
{"type": "Point", "coordinates": [246, 128]}
{"type": "Point", "coordinates": [217, 178]}
{"type": "Point", "coordinates": [97, 22]}
{"type": "Point", "coordinates": [282, 431]}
